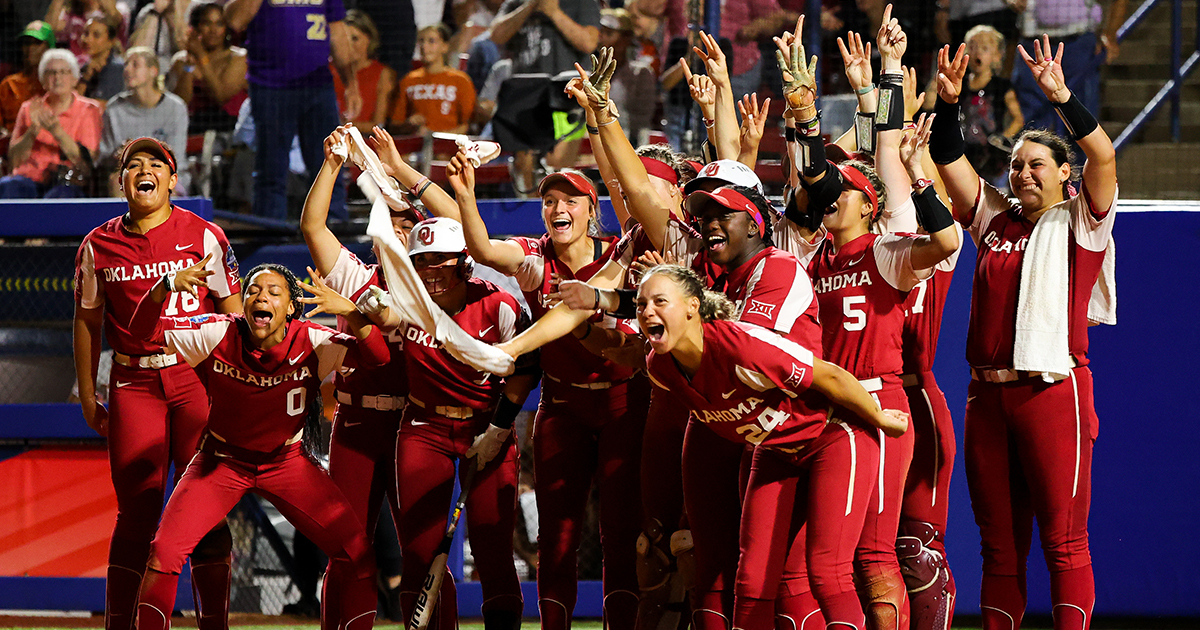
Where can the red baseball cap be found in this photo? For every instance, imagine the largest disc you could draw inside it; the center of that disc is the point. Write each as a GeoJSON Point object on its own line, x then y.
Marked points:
{"type": "Point", "coordinates": [148, 145]}
{"type": "Point", "coordinates": [854, 178]}
{"type": "Point", "coordinates": [574, 181]}
{"type": "Point", "coordinates": [727, 198]}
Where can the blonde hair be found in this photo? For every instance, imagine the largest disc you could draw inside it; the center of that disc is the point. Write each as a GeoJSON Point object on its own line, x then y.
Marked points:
{"type": "Point", "coordinates": [997, 37]}
{"type": "Point", "coordinates": [713, 305]}
{"type": "Point", "coordinates": [363, 22]}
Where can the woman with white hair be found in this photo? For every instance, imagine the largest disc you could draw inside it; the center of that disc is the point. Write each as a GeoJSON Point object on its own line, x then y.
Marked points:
{"type": "Point", "coordinates": [55, 135]}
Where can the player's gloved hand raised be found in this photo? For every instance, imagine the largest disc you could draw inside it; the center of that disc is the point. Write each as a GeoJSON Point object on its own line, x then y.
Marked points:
{"type": "Point", "coordinates": [372, 301]}
{"type": "Point", "coordinates": [488, 444]}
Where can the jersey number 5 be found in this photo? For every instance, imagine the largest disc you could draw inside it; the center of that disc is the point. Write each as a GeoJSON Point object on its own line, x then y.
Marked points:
{"type": "Point", "coordinates": [317, 29]}
{"type": "Point", "coordinates": [856, 318]}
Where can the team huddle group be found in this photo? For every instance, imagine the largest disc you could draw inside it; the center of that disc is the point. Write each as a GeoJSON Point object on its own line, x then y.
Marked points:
{"type": "Point", "coordinates": [750, 387]}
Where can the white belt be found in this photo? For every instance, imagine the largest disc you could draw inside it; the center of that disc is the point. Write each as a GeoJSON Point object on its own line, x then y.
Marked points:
{"type": "Point", "coordinates": [1006, 375]}
{"type": "Point", "coordinates": [151, 362]}
{"type": "Point", "coordinates": [382, 402]}
{"type": "Point", "coordinates": [595, 385]}
{"type": "Point", "coordinates": [454, 413]}
{"type": "Point", "coordinates": [872, 385]}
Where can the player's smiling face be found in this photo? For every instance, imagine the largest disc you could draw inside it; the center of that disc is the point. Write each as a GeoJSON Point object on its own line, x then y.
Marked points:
{"type": "Point", "coordinates": [726, 233]}
{"type": "Point", "coordinates": [147, 181]}
{"type": "Point", "coordinates": [566, 214]}
{"type": "Point", "coordinates": [438, 270]}
{"type": "Point", "coordinates": [1035, 179]}
{"type": "Point", "coordinates": [664, 312]}
{"type": "Point", "coordinates": [267, 305]}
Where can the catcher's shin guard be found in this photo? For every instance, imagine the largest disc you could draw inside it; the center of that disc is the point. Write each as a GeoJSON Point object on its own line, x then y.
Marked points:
{"type": "Point", "coordinates": [926, 575]}
{"type": "Point", "coordinates": [885, 601]}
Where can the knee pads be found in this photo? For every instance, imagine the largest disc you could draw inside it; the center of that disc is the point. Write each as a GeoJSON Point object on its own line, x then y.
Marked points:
{"type": "Point", "coordinates": [926, 575]}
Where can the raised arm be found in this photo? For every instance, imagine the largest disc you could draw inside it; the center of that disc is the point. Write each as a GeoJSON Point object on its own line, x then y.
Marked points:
{"type": "Point", "coordinates": [856, 61]}
{"type": "Point", "coordinates": [1100, 169]}
{"type": "Point", "coordinates": [725, 118]}
{"type": "Point", "coordinates": [504, 27]}
{"type": "Point", "coordinates": [580, 37]}
{"type": "Point", "coordinates": [503, 256]}
{"type": "Point", "coordinates": [323, 246]}
{"type": "Point", "coordinates": [947, 146]}
{"type": "Point", "coordinates": [146, 322]}
{"type": "Point", "coordinates": [339, 48]}
{"type": "Point", "coordinates": [943, 238]}
{"type": "Point", "coordinates": [562, 319]}
{"type": "Point", "coordinates": [889, 115]}
{"type": "Point", "coordinates": [574, 89]}
{"type": "Point", "coordinates": [754, 123]}
{"type": "Point", "coordinates": [371, 349]}
{"type": "Point", "coordinates": [704, 93]}
{"type": "Point", "coordinates": [841, 388]}
{"type": "Point", "coordinates": [651, 210]}
{"type": "Point", "coordinates": [438, 202]}
{"type": "Point", "coordinates": [239, 13]}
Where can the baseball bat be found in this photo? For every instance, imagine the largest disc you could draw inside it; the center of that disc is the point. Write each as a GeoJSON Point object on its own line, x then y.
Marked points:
{"type": "Point", "coordinates": [427, 599]}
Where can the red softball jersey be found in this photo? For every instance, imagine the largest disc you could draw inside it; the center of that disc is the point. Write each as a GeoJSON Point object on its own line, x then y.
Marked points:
{"type": "Point", "coordinates": [1001, 234]}
{"type": "Point", "coordinates": [923, 316]}
{"type": "Point", "coordinates": [114, 268]}
{"type": "Point", "coordinates": [350, 277]}
{"type": "Point", "coordinates": [748, 388]}
{"type": "Point", "coordinates": [565, 359]}
{"type": "Point", "coordinates": [259, 386]}
{"type": "Point", "coordinates": [862, 289]}
{"type": "Point", "coordinates": [436, 378]}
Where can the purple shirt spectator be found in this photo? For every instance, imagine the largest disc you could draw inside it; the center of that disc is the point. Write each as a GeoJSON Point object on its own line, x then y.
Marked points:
{"type": "Point", "coordinates": [277, 58]}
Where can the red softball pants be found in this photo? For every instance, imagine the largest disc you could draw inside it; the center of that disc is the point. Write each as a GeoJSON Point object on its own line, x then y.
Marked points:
{"type": "Point", "coordinates": [1029, 455]}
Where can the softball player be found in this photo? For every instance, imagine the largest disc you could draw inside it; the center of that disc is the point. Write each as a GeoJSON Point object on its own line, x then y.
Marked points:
{"type": "Point", "coordinates": [810, 468]}
{"type": "Point", "coordinates": [457, 412]}
{"type": "Point", "coordinates": [1030, 421]}
{"type": "Point", "coordinates": [362, 449]}
{"type": "Point", "coordinates": [589, 409]}
{"type": "Point", "coordinates": [158, 406]}
{"type": "Point", "coordinates": [262, 370]}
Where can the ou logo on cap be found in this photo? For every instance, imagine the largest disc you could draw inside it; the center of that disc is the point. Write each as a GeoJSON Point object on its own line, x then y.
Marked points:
{"type": "Point", "coordinates": [425, 234]}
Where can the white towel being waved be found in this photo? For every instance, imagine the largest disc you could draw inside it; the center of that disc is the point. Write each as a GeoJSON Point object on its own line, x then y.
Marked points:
{"type": "Point", "coordinates": [356, 149]}
{"type": "Point", "coordinates": [1041, 342]}
{"type": "Point", "coordinates": [407, 295]}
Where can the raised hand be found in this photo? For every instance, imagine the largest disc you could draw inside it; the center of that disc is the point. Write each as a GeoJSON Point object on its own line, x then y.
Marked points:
{"type": "Point", "coordinates": [915, 143]}
{"type": "Point", "coordinates": [384, 146]}
{"type": "Point", "coordinates": [574, 89]}
{"type": "Point", "coordinates": [754, 119]}
{"type": "Point", "coordinates": [337, 137]}
{"type": "Point", "coordinates": [799, 80]}
{"type": "Point", "coordinates": [951, 72]}
{"type": "Point", "coordinates": [597, 83]}
{"type": "Point", "coordinates": [891, 40]}
{"type": "Point", "coordinates": [912, 100]}
{"type": "Point", "coordinates": [461, 174]}
{"type": "Point", "coordinates": [1047, 71]}
{"type": "Point", "coordinates": [190, 278]}
{"type": "Point", "coordinates": [857, 60]}
{"type": "Point", "coordinates": [702, 89]}
{"type": "Point", "coordinates": [326, 299]}
{"type": "Point", "coordinates": [715, 63]}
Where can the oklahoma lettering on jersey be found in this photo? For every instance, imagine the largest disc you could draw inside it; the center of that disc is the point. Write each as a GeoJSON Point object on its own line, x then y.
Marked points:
{"type": "Point", "coordinates": [436, 378]}
{"type": "Point", "coordinates": [565, 358]}
{"type": "Point", "coordinates": [1001, 235]}
{"type": "Point", "coordinates": [260, 398]}
{"type": "Point", "coordinates": [861, 289]}
{"type": "Point", "coordinates": [759, 401]}
{"type": "Point", "coordinates": [350, 277]}
{"type": "Point", "coordinates": [114, 268]}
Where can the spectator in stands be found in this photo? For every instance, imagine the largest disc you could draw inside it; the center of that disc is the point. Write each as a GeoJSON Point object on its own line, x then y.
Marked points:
{"type": "Point", "coordinates": [548, 36]}
{"type": "Point", "coordinates": [989, 100]}
{"type": "Point", "coordinates": [19, 87]}
{"type": "Point", "coordinates": [162, 27]}
{"type": "Point", "coordinates": [376, 82]}
{"type": "Point", "coordinates": [634, 84]}
{"type": "Point", "coordinates": [473, 18]}
{"type": "Point", "coordinates": [144, 109]}
{"type": "Point", "coordinates": [965, 14]}
{"type": "Point", "coordinates": [1087, 33]}
{"type": "Point", "coordinates": [394, 17]}
{"type": "Point", "coordinates": [744, 22]}
{"type": "Point", "coordinates": [68, 18]}
{"type": "Point", "coordinates": [55, 135]}
{"type": "Point", "coordinates": [434, 97]}
{"type": "Point", "coordinates": [291, 90]}
{"type": "Point", "coordinates": [209, 75]}
{"type": "Point", "coordinates": [103, 76]}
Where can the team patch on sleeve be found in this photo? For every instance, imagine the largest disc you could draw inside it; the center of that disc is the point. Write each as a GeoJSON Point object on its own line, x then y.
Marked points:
{"type": "Point", "coordinates": [796, 378]}
{"type": "Point", "coordinates": [754, 307]}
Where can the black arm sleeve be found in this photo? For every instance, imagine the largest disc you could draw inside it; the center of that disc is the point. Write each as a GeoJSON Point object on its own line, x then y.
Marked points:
{"type": "Point", "coordinates": [946, 143]}
{"type": "Point", "coordinates": [506, 413]}
{"type": "Point", "coordinates": [626, 304]}
{"type": "Point", "coordinates": [932, 214]}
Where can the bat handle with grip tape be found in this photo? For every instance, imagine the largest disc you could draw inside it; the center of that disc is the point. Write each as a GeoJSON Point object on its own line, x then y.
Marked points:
{"type": "Point", "coordinates": [426, 600]}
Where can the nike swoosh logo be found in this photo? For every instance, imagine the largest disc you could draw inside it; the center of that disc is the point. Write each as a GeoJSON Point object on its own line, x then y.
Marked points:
{"type": "Point", "coordinates": [728, 394]}
{"type": "Point", "coordinates": [220, 454]}
{"type": "Point", "coordinates": [180, 248]}
{"type": "Point", "coordinates": [860, 259]}
{"type": "Point", "coordinates": [351, 424]}
{"type": "Point", "coordinates": [485, 330]}
{"type": "Point", "coordinates": [970, 398]}
{"type": "Point", "coordinates": [418, 423]}
{"type": "Point", "coordinates": [293, 360]}
{"type": "Point", "coordinates": [557, 401]}
{"type": "Point", "coordinates": [120, 384]}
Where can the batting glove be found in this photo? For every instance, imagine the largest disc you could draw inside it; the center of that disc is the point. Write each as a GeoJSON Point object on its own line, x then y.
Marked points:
{"type": "Point", "coordinates": [488, 444]}
{"type": "Point", "coordinates": [372, 301]}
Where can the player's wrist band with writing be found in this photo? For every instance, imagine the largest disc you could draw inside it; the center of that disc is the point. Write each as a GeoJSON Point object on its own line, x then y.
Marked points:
{"type": "Point", "coordinates": [921, 184]}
